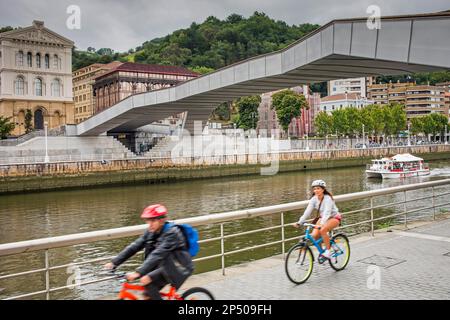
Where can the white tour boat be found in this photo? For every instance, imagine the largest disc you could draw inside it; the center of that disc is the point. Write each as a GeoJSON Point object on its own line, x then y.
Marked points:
{"type": "Point", "coordinates": [399, 166]}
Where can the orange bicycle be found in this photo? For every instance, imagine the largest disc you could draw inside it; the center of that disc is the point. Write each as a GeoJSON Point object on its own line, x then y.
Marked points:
{"type": "Point", "coordinates": [195, 293]}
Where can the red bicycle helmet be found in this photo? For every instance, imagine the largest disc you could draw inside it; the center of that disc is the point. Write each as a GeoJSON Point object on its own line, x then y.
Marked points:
{"type": "Point", "coordinates": [154, 211]}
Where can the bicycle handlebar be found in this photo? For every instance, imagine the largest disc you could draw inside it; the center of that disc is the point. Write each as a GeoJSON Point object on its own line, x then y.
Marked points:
{"type": "Point", "coordinates": [311, 225]}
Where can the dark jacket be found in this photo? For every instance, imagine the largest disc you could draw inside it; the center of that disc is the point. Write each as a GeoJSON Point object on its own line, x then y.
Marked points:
{"type": "Point", "coordinates": [167, 250]}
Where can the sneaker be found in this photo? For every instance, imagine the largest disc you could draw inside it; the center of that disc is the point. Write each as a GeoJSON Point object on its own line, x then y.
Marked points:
{"type": "Point", "coordinates": [327, 254]}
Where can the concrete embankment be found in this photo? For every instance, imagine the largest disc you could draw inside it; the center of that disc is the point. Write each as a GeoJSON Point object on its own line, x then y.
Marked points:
{"type": "Point", "coordinates": [19, 178]}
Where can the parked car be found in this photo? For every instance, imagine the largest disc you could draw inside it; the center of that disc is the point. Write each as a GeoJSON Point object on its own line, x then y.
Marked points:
{"type": "Point", "coordinates": [360, 146]}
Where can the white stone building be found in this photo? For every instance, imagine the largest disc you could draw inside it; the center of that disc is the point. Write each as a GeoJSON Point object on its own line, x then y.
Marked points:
{"type": "Point", "coordinates": [36, 75]}
{"type": "Point", "coordinates": [343, 100]}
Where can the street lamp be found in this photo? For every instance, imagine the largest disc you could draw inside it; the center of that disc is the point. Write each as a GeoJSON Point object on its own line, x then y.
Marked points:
{"type": "Point", "coordinates": [234, 125]}
{"type": "Point", "coordinates": [409, 137]}
{"type": "Point", "coordinates": [446, 142]}
{"type": "Point", "coordinates": [46, 159]}
{"type": "Point", "coordinates": [307, 142]}
{"type": "Point", "coordinates": [363, 137]}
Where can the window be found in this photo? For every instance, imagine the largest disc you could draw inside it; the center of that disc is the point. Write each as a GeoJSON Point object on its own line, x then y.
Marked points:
{"type": "Point", "coordinates": [38, 86]}
{"type": "Point", "coordinates": [56, 88]}
{"type": "Point", "coordinates": [55, 62]}
{"type": "Point", "coordinates": [20, 86]}
{"type": "Point", "coordinates": [47, 61]}
{"type": "Point", "coordinates": [29, 59]}
{"type": "Point", "coordinates": [19, 59]}
{"type": "Point", "coordinates": [38, 60]}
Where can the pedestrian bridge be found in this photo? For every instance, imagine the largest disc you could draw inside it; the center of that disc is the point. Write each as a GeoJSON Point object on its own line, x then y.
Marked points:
{"type": "Point", "coordinates": [413, 263]}
{"type": "Point", "coordinates": [345, 48]}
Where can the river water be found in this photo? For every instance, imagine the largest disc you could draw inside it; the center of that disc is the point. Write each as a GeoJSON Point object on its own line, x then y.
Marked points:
{"type": "Point", "coordinates": [39, 215]}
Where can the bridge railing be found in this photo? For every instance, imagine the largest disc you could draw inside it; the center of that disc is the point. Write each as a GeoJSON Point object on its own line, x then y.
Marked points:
{"type": "Point", "coordinates": [46, 244]}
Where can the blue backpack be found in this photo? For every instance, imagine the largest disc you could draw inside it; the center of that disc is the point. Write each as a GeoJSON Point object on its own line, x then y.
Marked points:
{"type": "Point", "coordinates": [190, 234]}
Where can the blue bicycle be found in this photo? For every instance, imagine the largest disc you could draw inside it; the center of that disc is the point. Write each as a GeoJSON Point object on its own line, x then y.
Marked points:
{"type": "Point", "coordinates": [300, 258]}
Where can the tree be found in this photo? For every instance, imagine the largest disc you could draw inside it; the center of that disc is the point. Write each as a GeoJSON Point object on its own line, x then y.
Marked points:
{"type": "Point", "coordinates": [5, 29]}
{"type": "Point", "coordinates": [202, 70]}
{"type": "Point", "coordinates": [105, 51]}
{"type": "Point", "coordinates": [248, 112]}
{"type": "Point", "coordinates": [398, 116]}
{"type": "Point", "coordinates": [340, 122]}
{"type": "Point", "coordinates": [222, 112]}
{"type": "Point", "coordinates": [288, 105]}
{"type": "Point", "coordinates": [439, 123]}
{"type": "Point", "coordinates": [428, 125]}
{"type": "Point", "coordinates": [354, 119]}
{"type": "Point", "coordinates": [28, 123]}
{"type": "Point", "coordinates": [5, 127]}
{"type": "Point", "coordinates": [323, 123]}
{"type": "Point", "coordinates": [433, 124]}
{"type": "Point", "coordinates": [416, 125]}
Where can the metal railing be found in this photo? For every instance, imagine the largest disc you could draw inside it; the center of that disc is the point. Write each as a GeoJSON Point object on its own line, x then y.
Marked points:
{"type": "Point", "coordinates": [219, 218]}
{"type": "Point", "coordinates": [88, 157]}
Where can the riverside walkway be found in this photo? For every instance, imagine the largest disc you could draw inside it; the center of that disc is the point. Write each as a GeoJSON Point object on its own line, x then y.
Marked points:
{"type": "Point", "coordinates": [411, 263]}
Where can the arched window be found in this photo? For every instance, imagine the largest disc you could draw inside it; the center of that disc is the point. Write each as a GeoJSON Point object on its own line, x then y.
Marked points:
{"type": "Point", "coordinates": [56, 88]}
{"type": "Point", "coordinates": [57, 119]}
{"type": "Point", "coordinates": [29, 59]}
{"type": "Point", "coordinates": [38, 86]}
{"type": "Point", "coordinates": [38, 119]}
{"type": "Point", "coordinates": [47, 61]}
{"type": "Point", "coordinates": [38, 60]}
{"type": "Point", "coordinates": [19, 88]}
{"type": "Point", "coordinates": [55, 62]}
{"type": "Point", "coordinates": [19, 59]}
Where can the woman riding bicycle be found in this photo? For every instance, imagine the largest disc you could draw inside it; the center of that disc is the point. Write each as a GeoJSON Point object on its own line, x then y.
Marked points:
{"type": "Point", "coordinates": [330, 218]}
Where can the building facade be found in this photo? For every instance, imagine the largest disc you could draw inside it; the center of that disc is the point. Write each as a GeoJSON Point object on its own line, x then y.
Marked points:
{"type": "Point", "coordinates": [131, 78]}
{"type": "Point", "coordinates": [83, 88]}
{"type": "Point", "coordinates": [446, 86]}
{"type": "Point", "coordinates": [419, 100]}
{"type": "Point", "coordinates": [342, 101]}
{"type": "Point", "coordinates": [36, 75]}
{"type": "Point", "coordinates": [299, 126]}
{"type": "Point", "coordinates": [353, 85]}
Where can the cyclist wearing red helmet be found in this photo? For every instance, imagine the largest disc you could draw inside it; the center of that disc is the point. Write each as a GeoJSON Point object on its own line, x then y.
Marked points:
{"type": "Point", "coordinates": [166, 255]}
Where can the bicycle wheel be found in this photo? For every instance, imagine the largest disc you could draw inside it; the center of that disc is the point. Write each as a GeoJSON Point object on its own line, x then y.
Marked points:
{"type": "Point", "coordinates": [341, 255]}
{"type": "Point", "coordinates": [299, 263]}
{"type": "Point", "coordinates": [197, 293]}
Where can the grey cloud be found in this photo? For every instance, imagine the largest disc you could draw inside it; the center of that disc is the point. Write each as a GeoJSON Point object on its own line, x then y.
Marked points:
{"type": "Point", "coordinates": [122, 25]}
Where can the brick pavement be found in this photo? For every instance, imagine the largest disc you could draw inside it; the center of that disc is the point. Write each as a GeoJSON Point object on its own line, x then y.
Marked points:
{"type": "Point", "coordinates": [420, 269]}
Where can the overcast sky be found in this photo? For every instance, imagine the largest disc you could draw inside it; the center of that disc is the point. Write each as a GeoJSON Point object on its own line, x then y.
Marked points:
{"type": "Point", "coordinates": [122, 25]}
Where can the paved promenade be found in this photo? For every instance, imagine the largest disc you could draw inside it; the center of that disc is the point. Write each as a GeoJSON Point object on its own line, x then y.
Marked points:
{"type": "Point", "coordinates": [400, 264]}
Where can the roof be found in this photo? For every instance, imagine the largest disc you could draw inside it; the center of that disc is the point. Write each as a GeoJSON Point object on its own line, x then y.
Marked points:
{"type": "Point", "coordinates": [37, 33]}
{"type": "Point", "coordinates": [340, 96]}
{"type": "Point", "coordinates": [405, 157]}
{"type": "Point", "coordinates": [151, 68]}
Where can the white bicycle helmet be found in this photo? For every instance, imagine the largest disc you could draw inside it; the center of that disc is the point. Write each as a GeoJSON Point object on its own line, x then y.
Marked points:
{"type": "Point", "coordinates": [318, 183]}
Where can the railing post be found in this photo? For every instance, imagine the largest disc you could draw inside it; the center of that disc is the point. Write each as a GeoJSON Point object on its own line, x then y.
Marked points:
{"type": "Point", "coordinates": [404, 207]}
{"type": "Point", "coordinates": [47, 276]}
{"type": "Point", "coordinates": [282, 235]}
{"type": "Point", "coordinates": [434, 205]}
{"type": "Point", "coordinates": [372, 229]}
{"type": "Point", "coordinates": [222, 248]}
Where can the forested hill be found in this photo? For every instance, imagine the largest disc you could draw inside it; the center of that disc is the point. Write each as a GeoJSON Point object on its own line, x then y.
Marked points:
{"type": "Point", "coordinates": [210, 45]}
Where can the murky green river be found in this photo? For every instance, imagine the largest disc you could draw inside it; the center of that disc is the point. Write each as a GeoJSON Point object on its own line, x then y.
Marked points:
{"type": "Point", "coordinates": [39, 215]}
